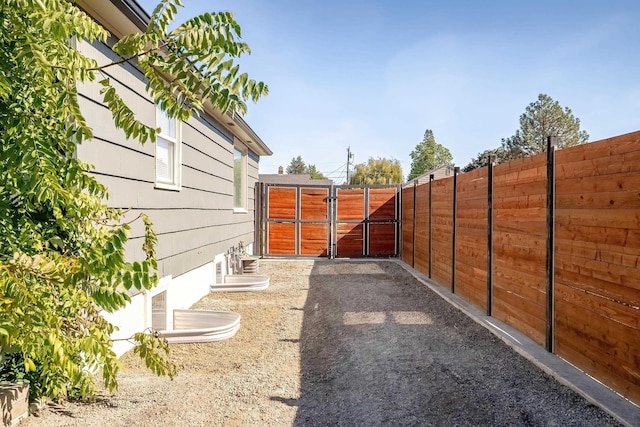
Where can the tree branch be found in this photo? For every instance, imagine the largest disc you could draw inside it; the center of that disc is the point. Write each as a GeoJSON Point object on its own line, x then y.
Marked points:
{"type": "Point", "coordinates": [125, 60]}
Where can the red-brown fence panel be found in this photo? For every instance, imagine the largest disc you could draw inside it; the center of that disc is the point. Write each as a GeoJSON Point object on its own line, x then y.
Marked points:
{"type": "Point", "coordinates": [407, 224]}
{"type": "Point", "coordinates": [281, 238]}
{"type": "Point", "coordinates": [597, 263]}
{"type": "Point", "coordinates": [442, 231]}
{"type": "Point", "coordinates": [382, 239]}
{"type": "Point", "coordinates": [592, 315]}
{"type": "Point", "coordinates": [472, 236]}
{"type": "Point", "coordinates": [350, 216]}
{"type": "Point", "coordinates": [382, 225]}
{"type": "Point", "coordinates": [350, 239]}
{"type": "Point", "coordinates": [281, 235]}
{"type": "Point", "coordinates": [422, 229]}
{"type": "Point", "coordinates": [329, 221]}
{"type": "Point", "coordinates": [314, 225]}
{"type": "Point", "coordinates": [350, 204]}
{"type": "Point", "coordinates": [519, 242]}
{"type": "Point", "coordinates": [382, 204]}
{"type": "Point", "coordinates": [282, 202]}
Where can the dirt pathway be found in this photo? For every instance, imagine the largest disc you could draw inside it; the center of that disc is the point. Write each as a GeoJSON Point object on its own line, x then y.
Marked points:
{"type": "Point", "coordinates": [339, 343]}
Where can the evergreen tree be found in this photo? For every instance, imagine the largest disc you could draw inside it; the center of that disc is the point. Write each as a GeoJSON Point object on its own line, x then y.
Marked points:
{"type": "Point", "coordinates": [482, 159]}
{"type": "Point", "coordinates": [541, 119]}
{"type": "Point", "coordinates": [428, 155]}
{"type": "Point", "coordinates": [297, 166]}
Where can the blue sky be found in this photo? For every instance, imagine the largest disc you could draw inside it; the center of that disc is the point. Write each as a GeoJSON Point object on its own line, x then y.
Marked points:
{"type": "Point", "coordinates": [375, 74]}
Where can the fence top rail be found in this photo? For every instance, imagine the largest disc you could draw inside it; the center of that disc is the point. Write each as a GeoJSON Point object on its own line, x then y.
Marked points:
{"type": "Point", "coordinates": [354, 186]}
{"type": "Point", "coordinates": [349, 186]}
{"type": "Point", "coordinates": [288, 185]}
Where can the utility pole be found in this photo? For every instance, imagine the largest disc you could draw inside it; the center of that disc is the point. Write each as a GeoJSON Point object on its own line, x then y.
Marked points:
{"type": "Point", "coordinates": [349, 158]}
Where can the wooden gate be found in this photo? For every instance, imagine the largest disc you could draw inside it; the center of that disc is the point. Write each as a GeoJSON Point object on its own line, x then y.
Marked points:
{"type": "Point", "coordinates": [328, 221]}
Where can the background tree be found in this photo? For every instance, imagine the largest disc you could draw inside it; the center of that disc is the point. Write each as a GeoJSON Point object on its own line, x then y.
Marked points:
{"type": "Point", "coordinates": [428, 155]}
{"type": "Point", "coordinates": [541, 119]}
{"type": "Point", "coordinates": [377, 171]}
{"type": "Point", "coordinates": [482, 159]}
{"type": "Point", "coordinates": [62, 257]}
{"type": "Point", "coordinates": [297, 166]}
{"type": "Point", "coordinates": [314, 173]}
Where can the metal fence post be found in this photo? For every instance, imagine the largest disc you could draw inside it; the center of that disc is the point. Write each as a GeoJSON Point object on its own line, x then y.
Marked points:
{"type": "Point", "coordinates": [490, 164]}
{"type": "Point", "coordinates": [333, 218]}
{"type": "Point", "coordinates": [399, 227]}
{"type": "Point", "coordinates": [552, 144]}
{"type": "Point", "coordinates": [431, 178]}
{"type": "Point", "coordinates": [456, 171]}
{"type": "Point", "coordinates": [415, 215]}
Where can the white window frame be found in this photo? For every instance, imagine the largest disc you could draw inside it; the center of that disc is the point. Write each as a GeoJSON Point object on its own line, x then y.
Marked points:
{"type": "Point", "coordinates": [243, 181]}
{"type": "Point", "coordinates": [159, 314]}
{"type": "Point", "coordinates": [174, 146]}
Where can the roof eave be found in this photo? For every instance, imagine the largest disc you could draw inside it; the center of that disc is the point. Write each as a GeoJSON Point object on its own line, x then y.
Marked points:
{"type": "Point", "coordinates": [122, 17]}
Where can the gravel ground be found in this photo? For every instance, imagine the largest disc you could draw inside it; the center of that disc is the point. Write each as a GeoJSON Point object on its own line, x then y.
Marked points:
{"type": "Point", "coordinates": [338, 343]}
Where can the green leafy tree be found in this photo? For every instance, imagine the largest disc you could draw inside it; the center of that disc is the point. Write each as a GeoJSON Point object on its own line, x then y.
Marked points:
{"type": "Point", "coordinates": [297, 166]}
{"type": "Point", "coordinates": [62, 256]}
{"type": "Point", "coordinates": [428, 155]}
{"type": "Point", "coordinates": [482, 159]}
{"type": "Point", "coordinates": [377, 171]}
{"type": "Point", "coordinates": [541, 119]}
{"type": "Point", "coordinates": [314, 173]}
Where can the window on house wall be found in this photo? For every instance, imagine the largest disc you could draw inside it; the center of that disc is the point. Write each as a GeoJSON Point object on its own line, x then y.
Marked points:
{"type": "Point", "coordinates": [168, 152]}
{"type": "Point", "coordinates": [218, 272]}
{"type": "Point", "coordinates": [239, 180]}
{"type": "Point", "coordinates": [159, 311]}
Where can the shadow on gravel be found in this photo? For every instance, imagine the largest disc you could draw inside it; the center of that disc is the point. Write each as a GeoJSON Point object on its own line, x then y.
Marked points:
{"type": "Point", "coordinates": [379, 348]}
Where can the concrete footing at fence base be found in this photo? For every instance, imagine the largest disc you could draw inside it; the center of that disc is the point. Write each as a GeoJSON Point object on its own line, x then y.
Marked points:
{"type": "Point", "coordinates": [565, 373]}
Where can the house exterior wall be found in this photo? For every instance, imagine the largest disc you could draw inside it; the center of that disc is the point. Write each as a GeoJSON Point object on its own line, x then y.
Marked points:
{"type": "Point", "coordinates": [196, 225]}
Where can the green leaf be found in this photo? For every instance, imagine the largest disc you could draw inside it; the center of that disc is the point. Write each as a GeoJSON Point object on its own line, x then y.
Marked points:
{"type": "Point", "coordinates": [56, 242]}
{"type": "Point", "coordinates": [69, 261]}
{"type": "Point", "coordinates": [29, 366]}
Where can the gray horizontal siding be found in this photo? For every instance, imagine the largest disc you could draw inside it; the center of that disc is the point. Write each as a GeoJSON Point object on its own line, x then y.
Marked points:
{"type": "Point", "coordinates": [193, 224]}
{"type": "Point", "coordinates": [180, 220]}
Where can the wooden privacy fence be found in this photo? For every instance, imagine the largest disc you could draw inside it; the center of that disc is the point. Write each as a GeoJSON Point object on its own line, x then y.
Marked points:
{"type": "Point", "coordinates": [549, 244]}
{"type": "Point", "coordinates": [327, 221]}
